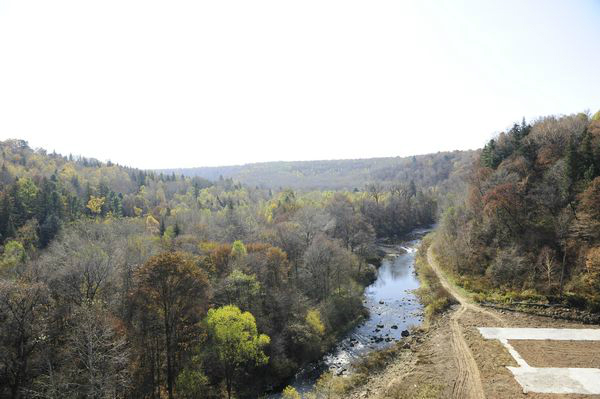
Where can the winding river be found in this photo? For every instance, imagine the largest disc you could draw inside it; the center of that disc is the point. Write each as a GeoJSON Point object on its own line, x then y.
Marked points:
{"type": "Point", "coordinates": [393, 308]}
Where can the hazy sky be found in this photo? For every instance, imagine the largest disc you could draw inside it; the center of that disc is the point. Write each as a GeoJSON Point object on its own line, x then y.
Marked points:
{"type": "Point", "coordinates": [190, 83]}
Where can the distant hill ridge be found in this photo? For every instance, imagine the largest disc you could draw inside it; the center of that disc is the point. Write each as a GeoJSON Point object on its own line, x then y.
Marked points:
{"type": "Point", "coordinates": [428, 170]}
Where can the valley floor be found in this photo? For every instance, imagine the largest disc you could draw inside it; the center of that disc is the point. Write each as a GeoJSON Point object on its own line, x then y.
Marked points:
{"type": "Point", "coordinates": [450, 358]}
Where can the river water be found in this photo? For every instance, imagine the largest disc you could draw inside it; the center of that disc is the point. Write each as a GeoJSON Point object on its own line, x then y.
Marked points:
{"type": "Point", "coordinates": [393, 307]}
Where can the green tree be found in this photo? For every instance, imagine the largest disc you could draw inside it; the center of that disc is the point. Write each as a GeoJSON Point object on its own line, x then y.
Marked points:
{"type": "Point", "coordinates": [235, 341]}
{"type": "Point", "coordinates": [238, 250]}
{"type": "Point", "coordinates": [27, 193]}
{"type": "Point", "coordinates": [162, 228]}
{"type": "Point", "coordinates": [192, 383]}
{"type": "Point", "coordinates": [48, 229]}
{"type": "Point", "coordinates": [7, 228]}
{"type": "Point", "coordinates": [49, 200]}
{"type": "Point", "coordinates": [241, 289]}
{"type": "Point", "coordinates": [13, 256]}
{"type": "Point", "coordinates": [169, 233]}
{"type": "Point", "coordinates": [489, 156]}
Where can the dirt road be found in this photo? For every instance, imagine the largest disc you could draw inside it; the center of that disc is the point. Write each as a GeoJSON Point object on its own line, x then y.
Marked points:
{"type": "Point", "coordinates": [468, 382]}
{"type": "Point", "coordinates": [464, 302]}
{"type": "Point", "coordinates": [449, 358]}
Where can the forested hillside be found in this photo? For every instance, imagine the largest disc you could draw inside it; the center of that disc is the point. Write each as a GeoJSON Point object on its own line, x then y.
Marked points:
{"type": "Point", "coordinates": [40, 191]}
{"type": "Point", "coordinates": [117, 282]}
{"type": "Point", "coordinates": [424, 170]}
{"type": "Point", "coordinates": [528, 226]}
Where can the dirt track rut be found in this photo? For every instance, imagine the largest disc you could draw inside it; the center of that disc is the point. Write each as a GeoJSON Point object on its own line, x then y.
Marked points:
{"type": "Point", "coordinates": [468, 382]}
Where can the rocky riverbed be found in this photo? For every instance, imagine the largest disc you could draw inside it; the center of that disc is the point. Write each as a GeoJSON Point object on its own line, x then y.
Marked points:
{"type": "Point", "coordinates": [393, 309]}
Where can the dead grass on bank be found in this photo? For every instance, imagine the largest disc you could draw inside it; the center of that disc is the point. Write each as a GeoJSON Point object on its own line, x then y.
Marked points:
{"type": "Point", "coordinates": [400, 359]}
{"type": "Point", "coordinates": [431, 293]}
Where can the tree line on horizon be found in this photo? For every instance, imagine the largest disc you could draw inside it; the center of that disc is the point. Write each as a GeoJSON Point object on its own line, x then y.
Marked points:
{"type": "Point", "coordinates": [427, 170]}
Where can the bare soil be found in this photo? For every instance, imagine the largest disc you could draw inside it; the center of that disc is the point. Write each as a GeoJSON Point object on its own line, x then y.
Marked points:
{"type": "Point", "coordinates": [559, 353]}
{"type": "Point", "coordinates": [450, 359]}
{"type": "Point", "coordinates": [492, 358]}
{"type": "Point", "coordinates": [424, 370]}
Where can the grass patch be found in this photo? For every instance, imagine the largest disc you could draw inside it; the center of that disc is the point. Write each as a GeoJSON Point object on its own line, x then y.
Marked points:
{"type": "Point", "coordinates": [431, 293]}
{"type": "Point", "coordinates": [377, 360]}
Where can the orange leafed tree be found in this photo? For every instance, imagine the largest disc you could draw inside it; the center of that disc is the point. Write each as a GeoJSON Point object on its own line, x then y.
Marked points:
{"type": "Point", "coordinates": [503, 203]}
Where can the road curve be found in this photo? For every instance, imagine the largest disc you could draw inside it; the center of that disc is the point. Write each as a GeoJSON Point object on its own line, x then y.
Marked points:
{"type": "Point", "coordinates": [468, 381]}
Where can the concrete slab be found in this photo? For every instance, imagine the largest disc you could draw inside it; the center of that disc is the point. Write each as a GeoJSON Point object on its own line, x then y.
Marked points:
{"type": "Point", "coordinates": [557, 334]}
{"type": "Point", "coordinates": [558, 380]}
{"type": "Point", "coordinates": [549, 379]}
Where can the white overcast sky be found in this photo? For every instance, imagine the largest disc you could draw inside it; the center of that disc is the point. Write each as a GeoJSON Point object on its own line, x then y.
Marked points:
{"type": "Point", "coordinates": [156, 84]}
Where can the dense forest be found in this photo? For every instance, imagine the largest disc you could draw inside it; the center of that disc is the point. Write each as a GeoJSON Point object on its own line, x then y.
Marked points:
{"type": "Point", "coordinates": [528, 225]}
{"type": "Point", "coordinates": [346, 174]}
{"type": "Point", "coordinates": [118, 282]}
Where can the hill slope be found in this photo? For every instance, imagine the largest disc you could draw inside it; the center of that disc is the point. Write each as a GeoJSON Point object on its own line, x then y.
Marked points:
{"type": "Point", "coordinates": [425, 170]}
{"type": "Point", "coordinates": [529, 222]}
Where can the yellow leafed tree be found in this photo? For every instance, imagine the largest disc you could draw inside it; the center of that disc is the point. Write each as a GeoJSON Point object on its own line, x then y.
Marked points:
{"type": "Point", "coordinates": [95, 204]}
{"type": "Point", "coordinates": [313, 319]}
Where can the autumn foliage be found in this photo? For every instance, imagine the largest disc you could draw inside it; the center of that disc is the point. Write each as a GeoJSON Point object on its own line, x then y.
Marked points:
{"type": "Point", "coordinates": [530, 219]}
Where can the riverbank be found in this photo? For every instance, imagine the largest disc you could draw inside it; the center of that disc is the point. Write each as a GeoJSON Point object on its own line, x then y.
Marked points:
{"type": "Point", "coordinates": [415, 367]}
{"type": "Point", "coordinates": [435, 365]}
{"type": "Point", "coordinates": [393, 309]}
